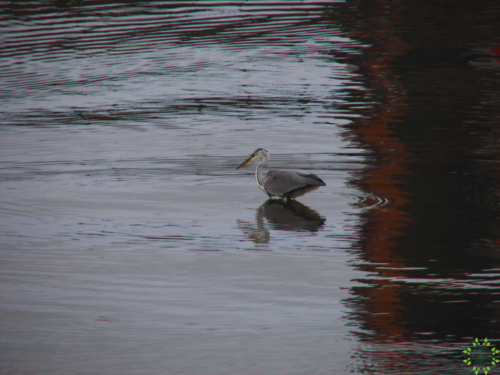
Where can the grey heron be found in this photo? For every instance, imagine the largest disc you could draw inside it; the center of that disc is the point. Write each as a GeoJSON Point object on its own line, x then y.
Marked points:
{"type": "Point", "coordinates": [282, 183]}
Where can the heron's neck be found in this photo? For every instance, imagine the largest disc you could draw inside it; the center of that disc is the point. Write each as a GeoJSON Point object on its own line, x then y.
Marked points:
{"type": "Point", "coordinates": [259, 173]}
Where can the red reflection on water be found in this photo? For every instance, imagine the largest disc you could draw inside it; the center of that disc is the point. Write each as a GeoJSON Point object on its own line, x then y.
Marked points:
{"type": "Point", "coordinates": [383, 225]}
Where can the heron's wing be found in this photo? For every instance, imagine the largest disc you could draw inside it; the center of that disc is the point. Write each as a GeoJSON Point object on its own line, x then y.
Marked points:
{"type": "Point", "coordinates": [312, 179]}
{"type": "Point", "coordinates": [282, 182]}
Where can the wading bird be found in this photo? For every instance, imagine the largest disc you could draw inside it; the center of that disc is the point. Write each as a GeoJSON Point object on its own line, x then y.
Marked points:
{"type": "Point", "coordinates": [282, 183]}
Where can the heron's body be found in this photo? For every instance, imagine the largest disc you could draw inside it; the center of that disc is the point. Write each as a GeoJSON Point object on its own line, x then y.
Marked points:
{"type": "Point", "coordinates": [279, 182]}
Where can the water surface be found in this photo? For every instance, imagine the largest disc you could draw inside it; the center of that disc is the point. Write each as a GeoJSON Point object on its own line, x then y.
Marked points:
{"type": "Point", "coordinates": [131, 244]}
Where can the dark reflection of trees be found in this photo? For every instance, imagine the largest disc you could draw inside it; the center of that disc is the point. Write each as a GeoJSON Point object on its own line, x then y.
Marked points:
{"type": "Point", "coordinates": [432, 70]}
{"type": "Point", "coordinates": [280, 215]}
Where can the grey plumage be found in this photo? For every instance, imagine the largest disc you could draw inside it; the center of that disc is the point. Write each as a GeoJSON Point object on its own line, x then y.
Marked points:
{"type": "Point", "coordinates": [279, 182]}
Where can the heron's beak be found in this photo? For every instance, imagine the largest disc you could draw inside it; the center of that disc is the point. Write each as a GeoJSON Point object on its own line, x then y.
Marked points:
{"type": "Point", "coordinates": [248, 161]}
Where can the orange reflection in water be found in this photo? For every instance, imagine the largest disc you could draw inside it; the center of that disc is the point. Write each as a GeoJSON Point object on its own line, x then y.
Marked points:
{"type": "Point", "coordinates": [383, 225]}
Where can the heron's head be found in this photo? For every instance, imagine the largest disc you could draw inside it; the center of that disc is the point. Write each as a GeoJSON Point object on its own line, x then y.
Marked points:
{"type": "Point", "coordinates": [256, 155]}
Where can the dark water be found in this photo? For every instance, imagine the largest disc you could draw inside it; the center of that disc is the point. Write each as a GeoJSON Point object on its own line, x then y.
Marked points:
{"type": "Point", "coordinates": [131, 245]}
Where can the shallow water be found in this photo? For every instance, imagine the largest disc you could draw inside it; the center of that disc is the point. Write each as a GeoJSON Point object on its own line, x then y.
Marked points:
{"type": "Point", "coordinates": [131, 244]}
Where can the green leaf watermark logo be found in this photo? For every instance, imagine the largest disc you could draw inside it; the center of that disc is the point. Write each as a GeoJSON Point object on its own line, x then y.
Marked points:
{"type": "Point", "coordinates": [482, 356]}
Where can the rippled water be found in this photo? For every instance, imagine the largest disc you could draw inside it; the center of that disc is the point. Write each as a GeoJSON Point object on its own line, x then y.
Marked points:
{"type": "Point", "coordinates": [131, 244]}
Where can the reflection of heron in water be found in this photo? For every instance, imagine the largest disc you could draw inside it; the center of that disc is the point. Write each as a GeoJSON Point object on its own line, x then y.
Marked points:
{"type": "Point", "coordinates": [291, 215]}
{"type": "Point", "coordinates": [280, 215]}
{"type": "Point", "coordinates": [282, 183]}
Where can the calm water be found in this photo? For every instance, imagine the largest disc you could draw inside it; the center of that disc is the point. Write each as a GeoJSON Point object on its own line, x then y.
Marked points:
{"type": "Point", "coordinates": [130, 244]}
